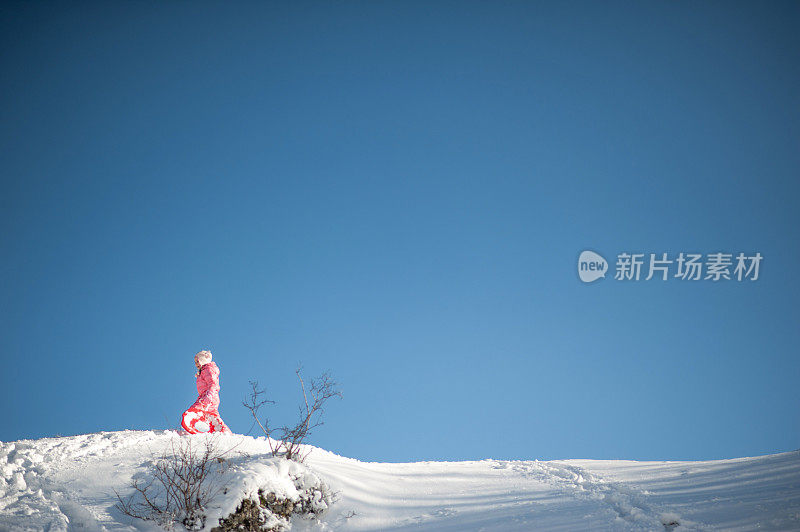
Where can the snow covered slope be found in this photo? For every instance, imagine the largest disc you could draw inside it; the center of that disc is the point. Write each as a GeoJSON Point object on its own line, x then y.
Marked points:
{"type": "Point", "coordinates": [68, 484]}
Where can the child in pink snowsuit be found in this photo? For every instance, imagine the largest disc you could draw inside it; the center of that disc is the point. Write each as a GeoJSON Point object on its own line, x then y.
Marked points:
{"type": "Point", "coordinates": [203, 415]}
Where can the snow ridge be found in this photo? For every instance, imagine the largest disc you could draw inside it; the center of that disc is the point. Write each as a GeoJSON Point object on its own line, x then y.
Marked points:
{"type": "Point", "coordinates": [64, 484]}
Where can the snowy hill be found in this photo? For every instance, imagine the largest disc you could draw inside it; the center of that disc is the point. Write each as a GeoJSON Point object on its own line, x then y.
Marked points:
{"type": "Point", "coordinates": [68, 484]}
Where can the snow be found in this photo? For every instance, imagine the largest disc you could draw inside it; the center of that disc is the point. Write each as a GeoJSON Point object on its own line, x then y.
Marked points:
{"type": "Point", "coordinates": [61, 484]}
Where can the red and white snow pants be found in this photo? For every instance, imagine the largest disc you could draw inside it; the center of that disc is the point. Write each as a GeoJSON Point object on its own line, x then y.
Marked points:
{"type": "Point", "coordinates": [198, 421]}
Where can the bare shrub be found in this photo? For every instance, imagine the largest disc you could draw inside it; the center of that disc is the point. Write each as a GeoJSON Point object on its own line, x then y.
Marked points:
{"type": "Point", "coordinates": [178, 487]}
{"type": "Point", "coordinates": [287, 440]}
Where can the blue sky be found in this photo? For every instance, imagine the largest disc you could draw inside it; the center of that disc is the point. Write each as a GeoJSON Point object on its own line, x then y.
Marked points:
{"type": "Point", "coordinates": [398, 192]}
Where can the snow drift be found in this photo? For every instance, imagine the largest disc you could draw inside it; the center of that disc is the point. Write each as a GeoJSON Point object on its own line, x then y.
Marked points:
{"type": "Point", "coordinates": [61, 484]}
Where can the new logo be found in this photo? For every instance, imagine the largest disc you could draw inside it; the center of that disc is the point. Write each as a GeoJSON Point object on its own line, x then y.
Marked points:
{"type": "Point", "coordinates": [591, 266]}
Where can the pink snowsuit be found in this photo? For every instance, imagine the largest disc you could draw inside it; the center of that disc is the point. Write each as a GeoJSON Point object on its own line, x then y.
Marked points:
{"type": "Point", "coordinates": [203, 415]}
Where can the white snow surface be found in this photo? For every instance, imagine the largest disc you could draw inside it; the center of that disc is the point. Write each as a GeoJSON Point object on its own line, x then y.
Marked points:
{"type": "Point", "coordinates": [66, 484]}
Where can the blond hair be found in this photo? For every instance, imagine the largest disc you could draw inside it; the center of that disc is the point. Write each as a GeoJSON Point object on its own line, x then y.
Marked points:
{"type": "Point", "coordinates": [203, 357]}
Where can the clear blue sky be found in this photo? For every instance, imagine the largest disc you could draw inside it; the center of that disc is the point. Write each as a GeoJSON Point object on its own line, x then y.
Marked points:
{"type": "Point", "coordinates": [398, 192]}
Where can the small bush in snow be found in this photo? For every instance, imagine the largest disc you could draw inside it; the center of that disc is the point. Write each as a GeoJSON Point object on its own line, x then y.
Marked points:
{"type": "Point", "coordinates": [287, 440]}
{"type": "Point", "coordinates": [272, 512]}
{"type": "Point", "coordinates": [178, 486]}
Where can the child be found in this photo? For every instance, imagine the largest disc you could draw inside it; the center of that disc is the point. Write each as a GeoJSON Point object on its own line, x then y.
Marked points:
{"type": "Point", "coordinates": [203, 415]}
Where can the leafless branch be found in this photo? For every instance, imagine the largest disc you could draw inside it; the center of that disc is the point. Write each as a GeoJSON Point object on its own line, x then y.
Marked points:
{"type": "Point", "coordinates": [179, 486]}
{"type": "Point", "coordinates": [288, 440]}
